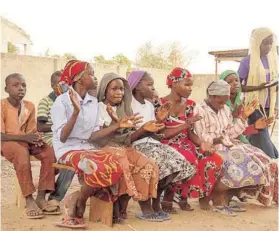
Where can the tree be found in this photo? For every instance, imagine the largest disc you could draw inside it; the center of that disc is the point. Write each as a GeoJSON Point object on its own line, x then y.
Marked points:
{"type": "Point", "coordinates": [12, 48]}
{"type": "Point", "coordinates": [119, 59]}
{"type": "Point", "coordinates": [69, 56]}
{"type": "Point", "coordinates": [122, 60]}
{"type": "Point", "coordinates": [164, 57]}
{"type": "Point", "coordinates": [47, 52]}
{"type": "Point", "coordinates": [99, 59]}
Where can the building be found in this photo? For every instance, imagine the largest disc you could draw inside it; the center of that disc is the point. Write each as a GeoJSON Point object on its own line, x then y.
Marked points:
{"type": "Point", "coordinates": [14, 36]}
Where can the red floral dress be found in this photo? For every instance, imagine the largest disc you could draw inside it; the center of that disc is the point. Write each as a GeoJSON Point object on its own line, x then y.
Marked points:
{"type": "Point", "coordinates": [208, 168]}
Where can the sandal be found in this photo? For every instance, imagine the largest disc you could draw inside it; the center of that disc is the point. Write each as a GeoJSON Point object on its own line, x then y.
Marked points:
{"type": "Point", "coordinates": [73, 223]}
{"type": "Point", "coordinates": [49, 207]}
{"type": "Point", "coordinates": [149, 217]}
{"type": "Point", "coordinates": [28, 213]}
{"type": "Point", "coordinates": [167, 207]}
{"type": "Point", "coordinates": [225, 210]}
{"type": "Point", "coordinates": [236, 207]}
{"type": "Point", "coordinates": [163, 215]}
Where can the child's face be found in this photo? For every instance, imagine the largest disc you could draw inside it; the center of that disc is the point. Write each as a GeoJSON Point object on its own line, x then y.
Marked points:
{"type": "Point", "coordinates": [54, 82]}
{"type": "Point", "coordinates": [115, 92]}
{"type": "Point", "coordinates": [16, 87]}
{"type": "Point", "coordinates": [184, 87]}
{"type": "Point", "coordinates": [146, 87]}
{"type": "Point", "coordinates": [89, 81]}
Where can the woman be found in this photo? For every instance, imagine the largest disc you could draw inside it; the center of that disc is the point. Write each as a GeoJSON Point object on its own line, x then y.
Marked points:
{"type": "Point", "coordinates": [115, 97]}
{"type": "Point", "coordinates": [179, 135]}
{"type": "Point", "coordinates": [243, 173]}
{"type": "Point", "coordinates": [235, 104]}
{"type": "Point", "coordinates": [270, 168]}
{"type": "Point", "coordinates": [255, 72]}
{"type": "Point", "coordinates": [173, 167]}
{"type": "Point", "coordinates": [75, 128]}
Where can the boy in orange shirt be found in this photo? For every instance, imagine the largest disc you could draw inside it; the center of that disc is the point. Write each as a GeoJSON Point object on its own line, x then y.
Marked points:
{"type": "Point", "coordinates": [19, 140]}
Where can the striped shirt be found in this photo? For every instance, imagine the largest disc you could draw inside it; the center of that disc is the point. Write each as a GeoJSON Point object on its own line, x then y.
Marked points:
{"type": "Point", "coordinates": [213, 125]}
{"type": "Point", "coordinates": [44, 115]}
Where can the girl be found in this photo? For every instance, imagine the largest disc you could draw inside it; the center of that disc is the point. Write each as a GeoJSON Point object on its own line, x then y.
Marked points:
{"type": "Point", "coordinates": [172, 166]}
{"type": "Point", "coordinates": [115, 97]}
{"type": "Point", "coordinates": [75, 128]}
{"type": "Point", "coordinates": [179, 135]}
{"type": "Point", "coordinates": [255, 72]}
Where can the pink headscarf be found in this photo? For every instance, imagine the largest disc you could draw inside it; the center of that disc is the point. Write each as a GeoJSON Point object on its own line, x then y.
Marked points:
{"type": "Point", "coordinates": [134, 78]}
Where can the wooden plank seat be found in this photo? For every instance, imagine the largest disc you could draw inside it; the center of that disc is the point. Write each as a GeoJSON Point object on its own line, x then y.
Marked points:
{"type": "Point", "coordinates": [99, 210]}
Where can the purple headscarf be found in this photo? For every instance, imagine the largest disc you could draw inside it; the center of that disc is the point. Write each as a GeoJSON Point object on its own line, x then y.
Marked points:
{"type": "Point", "coordinates": [134, 78]}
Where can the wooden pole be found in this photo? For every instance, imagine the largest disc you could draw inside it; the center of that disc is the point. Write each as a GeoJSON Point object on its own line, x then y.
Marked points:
{"type": "Point", "coordinates": [216, 67]}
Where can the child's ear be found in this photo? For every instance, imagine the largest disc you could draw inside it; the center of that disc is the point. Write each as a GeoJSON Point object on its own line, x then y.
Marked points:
{"type": "Point", "coordinates": [6, 90]}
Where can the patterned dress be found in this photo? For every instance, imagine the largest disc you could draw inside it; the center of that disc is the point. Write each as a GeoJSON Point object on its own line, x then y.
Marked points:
{"type": "Point", "coordinates": [167, 158]}
{"type": "Point", "coordinates": [244, 164]}
{"type": "Point", "coordinates": [208, 168]}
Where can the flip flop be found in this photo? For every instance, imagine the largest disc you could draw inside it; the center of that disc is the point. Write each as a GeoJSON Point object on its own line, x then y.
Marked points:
{"type": "Point", "coordinates": [236, 207]}
{"type": "Point", "coordinates": [73, 223]}
{"type": "Point", "coordinates": [32, 216]}
{"type": "Point", "coordinates": [54, 203]}
{"type": "Point", "coordinates": [46, 205]}
{"type": "Point", "coordinates": [149, 217]}
{"type": "Point", "coordinates": [225, 210]}
{"type": "Point", "coordinates": [163, 215]}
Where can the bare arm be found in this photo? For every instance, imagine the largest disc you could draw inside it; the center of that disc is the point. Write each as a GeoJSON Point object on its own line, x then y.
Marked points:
{"type": "Point", "coordinates": [140, 133]}
{"type": "Point", "coordinates": [171, 132]}
{"type": "Point", "coordinates": [103, 133]}
{"type": "Point", "coordinates": [194, 138]}
{"type": "Point", "coordinates": [43, 127]}
{"type": "Point", "coordinates": [67, 129]}
{"type": "Point", "coordinates": [9, 137]}
{"type": "Point", "coordinates": [252, 88]}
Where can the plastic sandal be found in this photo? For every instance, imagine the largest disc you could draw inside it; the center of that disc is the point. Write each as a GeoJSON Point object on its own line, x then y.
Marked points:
{"type": "Point", "coordinates": [73, 223]}
{"type": "Point", "coordinates": [236, 207]}
{"type": "Point", "coordinates": [149, 217]}
{"type": "Point", "coordinates": [163, 215]}
{"type": "Point", "coordinates": [225, 210]}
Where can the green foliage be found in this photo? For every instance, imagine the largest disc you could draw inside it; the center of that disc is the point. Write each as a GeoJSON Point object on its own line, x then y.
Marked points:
{"type": "Point", "coordinates": [163, 57]}
{"type": "Point", "coordinates": [12, 48]}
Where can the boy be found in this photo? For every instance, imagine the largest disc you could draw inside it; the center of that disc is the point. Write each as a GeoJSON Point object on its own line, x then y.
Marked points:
{"type": "Point", "coordinates": [19, 140]}
{"type": "Point", "coordinates": [44, 124]}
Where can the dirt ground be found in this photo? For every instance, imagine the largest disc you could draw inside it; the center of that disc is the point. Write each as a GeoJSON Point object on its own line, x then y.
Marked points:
{"type": "Point", "coordinates": [256, 218]}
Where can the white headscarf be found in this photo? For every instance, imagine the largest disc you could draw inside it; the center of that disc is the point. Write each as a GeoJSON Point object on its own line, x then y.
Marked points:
{"type": "Point", "coordinates": [218, 87]}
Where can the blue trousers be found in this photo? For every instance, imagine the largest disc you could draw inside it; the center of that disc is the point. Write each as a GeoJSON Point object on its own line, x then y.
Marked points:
{"type": "Point", "coordinates": [62, 184]}
{"type": "Point", "coordinates": [262, 140]}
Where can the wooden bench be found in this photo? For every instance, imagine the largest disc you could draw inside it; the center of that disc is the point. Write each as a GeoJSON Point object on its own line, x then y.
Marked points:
{"type": "Point", "coordinates": [99, 210]}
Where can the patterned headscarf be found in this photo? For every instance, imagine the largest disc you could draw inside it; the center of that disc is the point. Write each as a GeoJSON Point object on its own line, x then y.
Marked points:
{"type": "Point", "coordinates": [134, 78]}
{"type": "Point", "coordinates": [71, 73]}
{"type": "Point", "coordinates": [177, 74]}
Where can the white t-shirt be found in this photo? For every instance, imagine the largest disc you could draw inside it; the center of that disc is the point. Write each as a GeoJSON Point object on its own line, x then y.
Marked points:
{"type": "Point", "coordinates": [104, 118]}
{"type": "Point", "coordinates": [147, 111]}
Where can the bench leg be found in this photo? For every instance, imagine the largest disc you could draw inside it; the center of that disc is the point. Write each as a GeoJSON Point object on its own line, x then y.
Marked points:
{"type": "Point", "coordinates": [100, 211]}
{"type": "Point", "coordinates": [20, 200]}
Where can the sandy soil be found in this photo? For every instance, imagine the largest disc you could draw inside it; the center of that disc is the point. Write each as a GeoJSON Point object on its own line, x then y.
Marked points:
{"type": "Point", "coordinates": [256, 218]}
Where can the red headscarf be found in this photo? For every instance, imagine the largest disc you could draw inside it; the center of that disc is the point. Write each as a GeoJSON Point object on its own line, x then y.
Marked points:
{"type": "Point", "coordinates": [72, 72]}
{"type": "Point", "coordinates": [177, 74]}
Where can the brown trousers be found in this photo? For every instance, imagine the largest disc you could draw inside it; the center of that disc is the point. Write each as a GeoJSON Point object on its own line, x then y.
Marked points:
{"type": "Point", "coordinates": [18, 153]}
